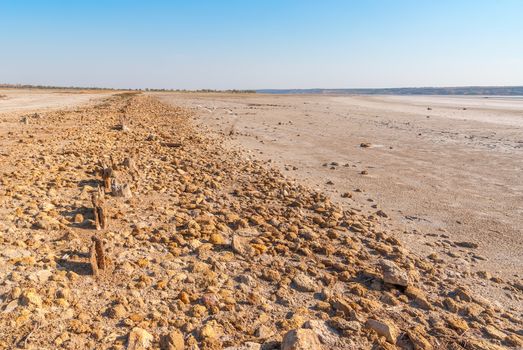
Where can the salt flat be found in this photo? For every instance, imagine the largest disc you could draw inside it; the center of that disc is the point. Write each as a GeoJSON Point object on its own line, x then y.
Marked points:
{"type": "Point", "coordinates": [445, 170]}
{"type": "Point", "coordinates": [12, 100]}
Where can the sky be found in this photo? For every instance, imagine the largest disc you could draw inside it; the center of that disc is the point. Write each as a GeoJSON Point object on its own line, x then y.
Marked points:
{"type": "Point", "coordinates": [257, 44]}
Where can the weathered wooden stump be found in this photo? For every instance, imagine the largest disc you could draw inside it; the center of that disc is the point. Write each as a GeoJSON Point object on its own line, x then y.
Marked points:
{"type": "Point", "coordinates": [107, 174]}
{"type": "Point", "coordinates": [97, 258]}
{"type": "Point", "coordinates": [100, 218]}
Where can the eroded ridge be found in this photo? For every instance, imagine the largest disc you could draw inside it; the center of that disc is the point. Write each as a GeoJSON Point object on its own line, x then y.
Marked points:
{"type": "Point", "coordinates": [123, 226]}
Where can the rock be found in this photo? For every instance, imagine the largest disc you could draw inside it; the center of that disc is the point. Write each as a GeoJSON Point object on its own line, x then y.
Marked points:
{"type": "Point", "coordinates": [301, 339]}
{"type": "Point", "coordinates": [484, 274]}
{"type": "Point", "coordinates": [241, 245]}
{"type": "Point", "coordinates": [419, 297]}
{"type": "Point", "coordinates": [172, 341]}
{"type": "Point", "coordinates": [264, 332]}
{"type": "Point", "coordinates": [304, 283]}
{"type": "Point", "coordinates": [457, 323]}
{"type": "Point", "coordinates": [326, 334]}
{"type": "Point", "coordinates": [15, 253]}
{"type": "Point", "coordinates": [342, 324]}
{"type": "Point", "coordinates": [246, 346]}
{"type": "Point", "coordinates": [392, 274]}
{"type": "Point", "coordinates": [342, 305]}
{"type": "Point", "coordinates": [209, 330]}
{"type": "Point", "coordinates": [217, 239]}
{"type": "Point", "coordinates": [41, 276]}
{"type": "Point", "coordinates": [385, 329]}
{"type": "Point", "coordinates": [46, 222]}
{"type": "Point", "coordinates": [469, 245]}
{"type": "Point", "coordinates": [116, 312]}
{"type": "Point", "coordinates": [10, 307]}
{"type": "Point", "coordinates": [514, 340]}
{"type": "Point", "coordinates": [78, 218]}
{"type": "Point", "coordinates": [247, 280]}
{"type": "Point", "coordinates": [493, 332]}
{"type": "Point", "coordinates": [30, 298]}
{"type": "Point", "coordinates": [139, 339]}
{"type": "Point", "coordinates": [417, 338]}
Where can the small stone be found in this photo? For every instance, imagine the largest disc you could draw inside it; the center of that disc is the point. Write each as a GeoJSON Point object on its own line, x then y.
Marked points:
{"type": "Point", "coordinates": [304, 283]}
{"type": "Point", "coordinates": [301, 339]}
{"type": "Point", "coordinates": [184, 297]}
{"type": "Point", "coordinates": [342, 305]}
{"type": "Point", "coordinates": [139, 339]}
{"type": "Point", "coordinates": [10, 307]}
{"type": "Point", "coordinates": [209, 330]}
{"type": "Point", "coordinates": [116, 312]}
{"type": "Point", "coordinates": [457, 323]}
{"type": "Point", "coordinates": [241, 245]}
{"type": "Point", "coordinates": [264, 332]}
{"type": "Point", "coordinates": [30, 298]}
{"type": "Point", "coordinates": [392, 274]}
{"type": "Point", "coordinates": [41, 276]}
{"type": "Point", "coordinates": [217, 239]}
{"type": "Point", "coordinates": [385, 329]}
{"type": "Point", "coordinates": [469, 245]}
{"type": "Point", "coordinates": [514, 340]}
{"type": "Point", "coordinates": [419, 297]}
{"type": "Point", "coordinates": [15, 253]}
{"type": "Point", "coordinates": [484, 274]}
{"type": "Point", "coordinates": [419, 341]}
{"type": "Point", "coordinates": [495, 333]}
{"type": "Point", "coordinates": [172, 341]}
{"type": "Point", "coordinates": [327, 335]}
{"type": "Point", "coordinates": [78, 218]}
{"type": "Point", "coordinates": [247, 346]}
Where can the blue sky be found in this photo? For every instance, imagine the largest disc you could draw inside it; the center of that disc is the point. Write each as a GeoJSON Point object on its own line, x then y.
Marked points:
{"type": "Point", "coordinates": [254, 44]}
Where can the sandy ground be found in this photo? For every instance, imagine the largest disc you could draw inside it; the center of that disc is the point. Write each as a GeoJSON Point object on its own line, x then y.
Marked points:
{"type": "Point", "coordinates": [443, 176]}
{"type": "Point", "coordinates": [17, 100]}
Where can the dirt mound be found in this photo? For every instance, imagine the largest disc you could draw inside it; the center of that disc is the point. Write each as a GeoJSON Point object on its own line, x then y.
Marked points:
{"type": "Point", "coordinates": [202, 249]}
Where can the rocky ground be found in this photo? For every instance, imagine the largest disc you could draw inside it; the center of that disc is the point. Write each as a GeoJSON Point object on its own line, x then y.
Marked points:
{"type": "Point", "coordinates": [204, 250]}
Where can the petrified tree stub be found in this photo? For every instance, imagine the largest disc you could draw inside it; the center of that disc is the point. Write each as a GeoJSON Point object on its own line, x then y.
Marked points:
{"type": "Point", "coordinates": [97, 258]}
{"type": "Point", "coordinates": [107, 174]}
{"type": "Point", "coordinates": [93, 260]}
{"type": "Point", "coordinates": [100, 218]}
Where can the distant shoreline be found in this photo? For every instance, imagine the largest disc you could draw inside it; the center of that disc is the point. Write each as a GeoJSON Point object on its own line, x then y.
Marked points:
{"type": "Point", "coordinates": [485, 91]}
{"type": "Point", "coordinates": [446, 91]}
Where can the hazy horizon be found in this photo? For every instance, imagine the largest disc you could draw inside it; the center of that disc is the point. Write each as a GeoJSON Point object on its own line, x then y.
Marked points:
{"type": "Point", "coordinates": [262, 44]}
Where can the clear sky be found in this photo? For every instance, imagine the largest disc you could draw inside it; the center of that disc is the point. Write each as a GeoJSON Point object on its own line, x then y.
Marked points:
{"type": "Point", "coordinates": [251, 44]}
